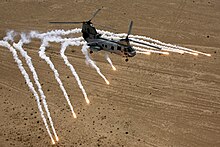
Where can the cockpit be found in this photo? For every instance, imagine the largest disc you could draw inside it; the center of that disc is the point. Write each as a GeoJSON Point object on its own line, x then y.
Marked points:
{"type": "Point", "coordinates": [130, 51]}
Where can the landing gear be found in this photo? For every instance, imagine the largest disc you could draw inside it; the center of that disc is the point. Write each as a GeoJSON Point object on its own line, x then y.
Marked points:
{"type": "Point", "coordinates": [91, 52]}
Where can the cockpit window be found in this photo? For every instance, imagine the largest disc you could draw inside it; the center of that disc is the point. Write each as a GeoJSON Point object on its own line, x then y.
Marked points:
{"type": "Point", "coordinates": [129, 49]}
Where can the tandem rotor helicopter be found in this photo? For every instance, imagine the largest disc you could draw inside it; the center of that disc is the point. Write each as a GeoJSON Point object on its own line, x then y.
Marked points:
{"type": "Point", "coordinates": [97, 43]}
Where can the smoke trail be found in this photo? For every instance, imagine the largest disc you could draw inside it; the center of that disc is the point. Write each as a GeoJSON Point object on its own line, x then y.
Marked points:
{"type": "Point", "coordinates": [62, 51]}
{"type": "Point", "coordinates": [62, 32]}
{"type": "Point", "coordinates": [178, 49]}
{"type": "Point", "coordinates": [141, 52]}
{"type": "Point", "coordinates": [18, 46]}
{"type": "Point", "coordinates": [166, 46]}
{"type": "Point", "coordinates": [141, 45]}
{"type": "Point", "coordinates": [120, 36]}
{"type": "Point", "coordinates": [109, 61]}
{"type": "Point", "coordinates": [56, 74]}
{"type": "Point", "coordinates": [29, 83]}
{"type": "Point", "coordinates": [111, 37]}
{"type": "Point", "coordinates": [151, 44]}
{"type": "Point", "coordinates": [10, 36]}
{"type": "Point", "coordinates": [149, 51]}
{"type": "Point", "coordinates": [169, 45]}
{"type": "Point", "coordinates": [55, 34]}
{"type": "Point", "coordinates": [92, 63]}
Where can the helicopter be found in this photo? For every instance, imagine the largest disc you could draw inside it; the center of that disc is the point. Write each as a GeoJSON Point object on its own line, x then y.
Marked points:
{"type": "Point", "coordinates": [97, 43]}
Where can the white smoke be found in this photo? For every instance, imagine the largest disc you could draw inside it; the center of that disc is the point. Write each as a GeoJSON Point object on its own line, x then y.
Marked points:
{"type": "Point", "coordinates": [187, 50]}
{"type": "Point", "coordinates": [109, 61]}
{"type": "Point", "coordinates": [62, 53]}
{"type": "Point", "coordinates": [18, 46]}
{"type": "Point", "coordinates": [10, 36]}
{"type": "Point", "coordinates": [56, 74]}
{"type": "Point", "coordinates": [92, 63]}
{"type": "Point", "coordinates": [153, 42]}
{"type": "Point", "coordinates": [29, 83]}
{"type": "Point", "coordinates": [149, 51]}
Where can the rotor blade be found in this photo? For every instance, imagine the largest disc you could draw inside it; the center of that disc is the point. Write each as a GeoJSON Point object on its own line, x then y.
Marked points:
{"type": "Point", "coordinates": [97, 11]}
{"type": "Point", "coordinates": [56, 22]}
{"type": "Point", "coordinates": [145, 44]}
{"type": "Point", "coordinates": [129, 29]}
{"type": "Point", "coordinates": [105, 27]}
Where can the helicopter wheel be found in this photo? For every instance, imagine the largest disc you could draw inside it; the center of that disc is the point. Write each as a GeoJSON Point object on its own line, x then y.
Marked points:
{"type": "Point", "coordinates": [91, 52]}
{"type": "Point", "coordinates": [126, 59]}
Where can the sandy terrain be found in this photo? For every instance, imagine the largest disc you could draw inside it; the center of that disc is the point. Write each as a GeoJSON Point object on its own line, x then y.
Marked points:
{"type": "Point", "coordinates": [152, 100]}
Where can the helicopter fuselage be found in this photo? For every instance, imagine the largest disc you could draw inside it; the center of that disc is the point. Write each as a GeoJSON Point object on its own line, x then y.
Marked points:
{"type": "Point", "coordinates": [97, 43]}
{"type": "Point", "coordinates": [112, 46]}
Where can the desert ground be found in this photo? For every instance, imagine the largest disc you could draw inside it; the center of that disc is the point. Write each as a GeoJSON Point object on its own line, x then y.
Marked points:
{"type": "Point", "coordinates": [152, 100]}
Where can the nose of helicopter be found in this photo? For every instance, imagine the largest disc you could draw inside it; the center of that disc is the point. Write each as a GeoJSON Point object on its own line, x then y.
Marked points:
{"type": "Point", "coordinates": [132, 54]}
